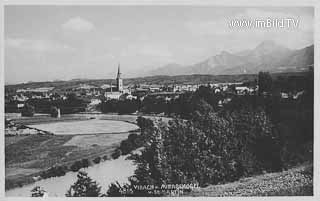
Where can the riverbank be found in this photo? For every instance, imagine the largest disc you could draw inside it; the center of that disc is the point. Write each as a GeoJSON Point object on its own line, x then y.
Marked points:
{"type": "Point", "coordinates": [104, 173]}
{"type": "Point", "coordinates": [27, 156]}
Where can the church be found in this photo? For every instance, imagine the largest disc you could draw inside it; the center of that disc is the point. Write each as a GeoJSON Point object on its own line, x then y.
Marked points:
{"type": "Point", "coordinates": [115, 94]}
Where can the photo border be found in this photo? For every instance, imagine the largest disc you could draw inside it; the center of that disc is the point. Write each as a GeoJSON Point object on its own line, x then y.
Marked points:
{"type": "Point", "coordinates": [240, 3]}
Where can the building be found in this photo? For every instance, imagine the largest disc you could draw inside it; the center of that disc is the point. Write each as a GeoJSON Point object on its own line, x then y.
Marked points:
{"type": "Point", "coordinates": [113, 95]}
{"type": "Point", "coordinates": [119, 84]}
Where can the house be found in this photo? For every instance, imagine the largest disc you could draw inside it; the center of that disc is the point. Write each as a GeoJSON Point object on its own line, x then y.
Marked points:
{"type": "Point", "coordinates": [112, 95]}
{"type": "Point", "coordinates": [284, 95]}
{"type": "Point", "coordinates": [241, 90]}
{"type": "Point", "coordinates": [95, 101]}
{"type": "Point", "coordinates": [298, 94]}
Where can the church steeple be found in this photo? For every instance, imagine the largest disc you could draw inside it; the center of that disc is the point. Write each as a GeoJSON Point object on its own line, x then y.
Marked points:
{"type": "Point", "coordinates": [119, 73]}
{"type": "Point", "coordinates": [119, 80]}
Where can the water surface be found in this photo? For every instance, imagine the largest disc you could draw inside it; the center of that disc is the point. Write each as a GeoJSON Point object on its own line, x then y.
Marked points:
{"type": "Point", "coordinates": [104, 173]}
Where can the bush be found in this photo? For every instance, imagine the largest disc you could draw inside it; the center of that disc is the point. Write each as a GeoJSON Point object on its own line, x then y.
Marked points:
{"type": "Point", "coordinates": [116, 190]}
{"type": "Point", "coordinates": [79, 164]}
{"type": "Point", "coordinates": [76, 166]}
{"type": "Point", "coordinates": [54, 112]}
{"type": "Point", "coordinates": [97, 160]}
{"type": "Point", "coordinates": [27, 110]}
{"type": "Point", "coordinates": [55, 171]}
{"type": "Point", "coordinates": [85, 163]}
{"type": "Point", "coordinates": [105, 157]}
{"type": "Point", "coordinates": [116, 154]}
{"type": "Point", "coordinates": [126, 147]}
{"type": "Point", "coordinates": [37, 192]}
{"type": "Point", "coordinates": [84, 187]}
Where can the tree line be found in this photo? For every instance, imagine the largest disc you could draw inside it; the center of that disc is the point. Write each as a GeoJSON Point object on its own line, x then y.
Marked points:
{"type": "Point", "coordinates": [206, 145]}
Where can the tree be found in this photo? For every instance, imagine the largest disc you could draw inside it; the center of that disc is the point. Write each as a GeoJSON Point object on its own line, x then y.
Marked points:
{"type": "Point", "coordinates": [264, 82]}
{"type": "Point", "coordinates": [84, 187]}
{"type": "Point", "coordinates": [145, 125]}
{"type": "Point", "coordinates": [149, 163]}
{"type": "Point", "coordinates": [208, 149]}
{"type": "Point", "coordinates": [37, 192]}
{"type": "Point", "coordinates": [207, 94]}
{"type": "Point", "coordinates": [27, 110]}
{"type": "Point", "coordinates": [116, 190]}
{"type": "Point", "coordinates": [116, 154]}
{"type": "Point", "coordinates": [97, 160]}
{"type": "Point", "coordinates": [257, 143]}
{"type": "Point", "coordinates": [54, 111]}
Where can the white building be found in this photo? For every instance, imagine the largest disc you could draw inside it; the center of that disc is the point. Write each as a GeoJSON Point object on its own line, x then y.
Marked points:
{"type": "Point", "coordinates": [113, 95]}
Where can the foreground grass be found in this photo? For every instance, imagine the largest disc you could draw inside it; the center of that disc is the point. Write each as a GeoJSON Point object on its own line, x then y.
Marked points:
{"type": "Point", "coordinates": [297, 181]}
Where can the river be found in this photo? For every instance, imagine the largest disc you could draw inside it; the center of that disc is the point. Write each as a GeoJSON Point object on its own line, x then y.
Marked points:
{"type": "Point", "coordinates": [104, 173]}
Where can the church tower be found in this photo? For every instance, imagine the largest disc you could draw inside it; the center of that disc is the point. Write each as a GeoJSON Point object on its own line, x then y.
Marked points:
{"type": "Point", "coordinates": [119, 80]}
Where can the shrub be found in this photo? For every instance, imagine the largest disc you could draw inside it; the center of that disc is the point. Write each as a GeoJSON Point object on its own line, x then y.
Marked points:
{"type": "Point", "coordinates": [97, 160]}
{"type": "Point", "coordinates": [37, 192]}
{"type": "Point", "coordinates": [27, 110]}
{"type": "Point", "coordinates": [126, 147]}
{"type": "Point", "coordinates": [76, 166]}
{"type": "Point", "coordinates": [85, 163]}
{"type": "Point", "coordinates": [116, 154]}
{"type": "Point", "coordinates": [84, 187]}
{"type": "Point", "coordinates": [55, 171]}
{"type": "Point", "coordinates": [116, 190]}
{"type": "Point", "coordinates": [79, 164]}
{"type": "Point", "coordinates": [54, 111]}
{"type": "Point", "coordinates": [105, 157]}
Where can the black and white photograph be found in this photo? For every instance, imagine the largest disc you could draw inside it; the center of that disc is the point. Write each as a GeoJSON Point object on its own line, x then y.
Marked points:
{"type": "Point", "coordinates": [181, 100]}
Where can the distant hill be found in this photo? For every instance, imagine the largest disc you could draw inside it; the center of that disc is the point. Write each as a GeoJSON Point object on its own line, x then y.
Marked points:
{"type": "Point", "coordinates": [169, 69]}
{"type": "Point", "coordinates": [267, 56]}
{"type": "Point", "coordinates": [63, 86]}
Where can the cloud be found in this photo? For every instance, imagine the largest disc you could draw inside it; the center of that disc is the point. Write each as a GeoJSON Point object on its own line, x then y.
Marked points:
{"type": "Point", "coordinates": [78, 24]}
{"type": "Point", "coordinates": [36, 45]}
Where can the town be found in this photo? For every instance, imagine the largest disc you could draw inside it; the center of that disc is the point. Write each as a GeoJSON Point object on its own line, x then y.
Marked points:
{"type": "Point", "coordinates": [92, 95]}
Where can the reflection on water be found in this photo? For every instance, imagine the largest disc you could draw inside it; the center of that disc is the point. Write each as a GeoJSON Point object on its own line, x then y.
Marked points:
{"type": "Point", "coordinates": [104, 173]}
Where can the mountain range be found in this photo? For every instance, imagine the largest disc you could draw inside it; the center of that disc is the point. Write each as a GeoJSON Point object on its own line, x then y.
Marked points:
{"type": "Point", "coordinates": [267, 56]}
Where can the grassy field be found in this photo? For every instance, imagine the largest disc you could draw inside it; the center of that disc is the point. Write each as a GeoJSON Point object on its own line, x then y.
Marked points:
{"type": "Point", "coordinates": [87, 141]}
{"type": "Point", "coordinates": [297, 181]}
{"type": "Point", "coordinates": [13, 139]}
{"type": "Point", "coordinates": [92, 126]}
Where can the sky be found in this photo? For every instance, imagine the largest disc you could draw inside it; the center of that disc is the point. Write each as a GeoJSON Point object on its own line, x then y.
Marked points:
{"type": "Point", "coordinates": [45, 43]}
